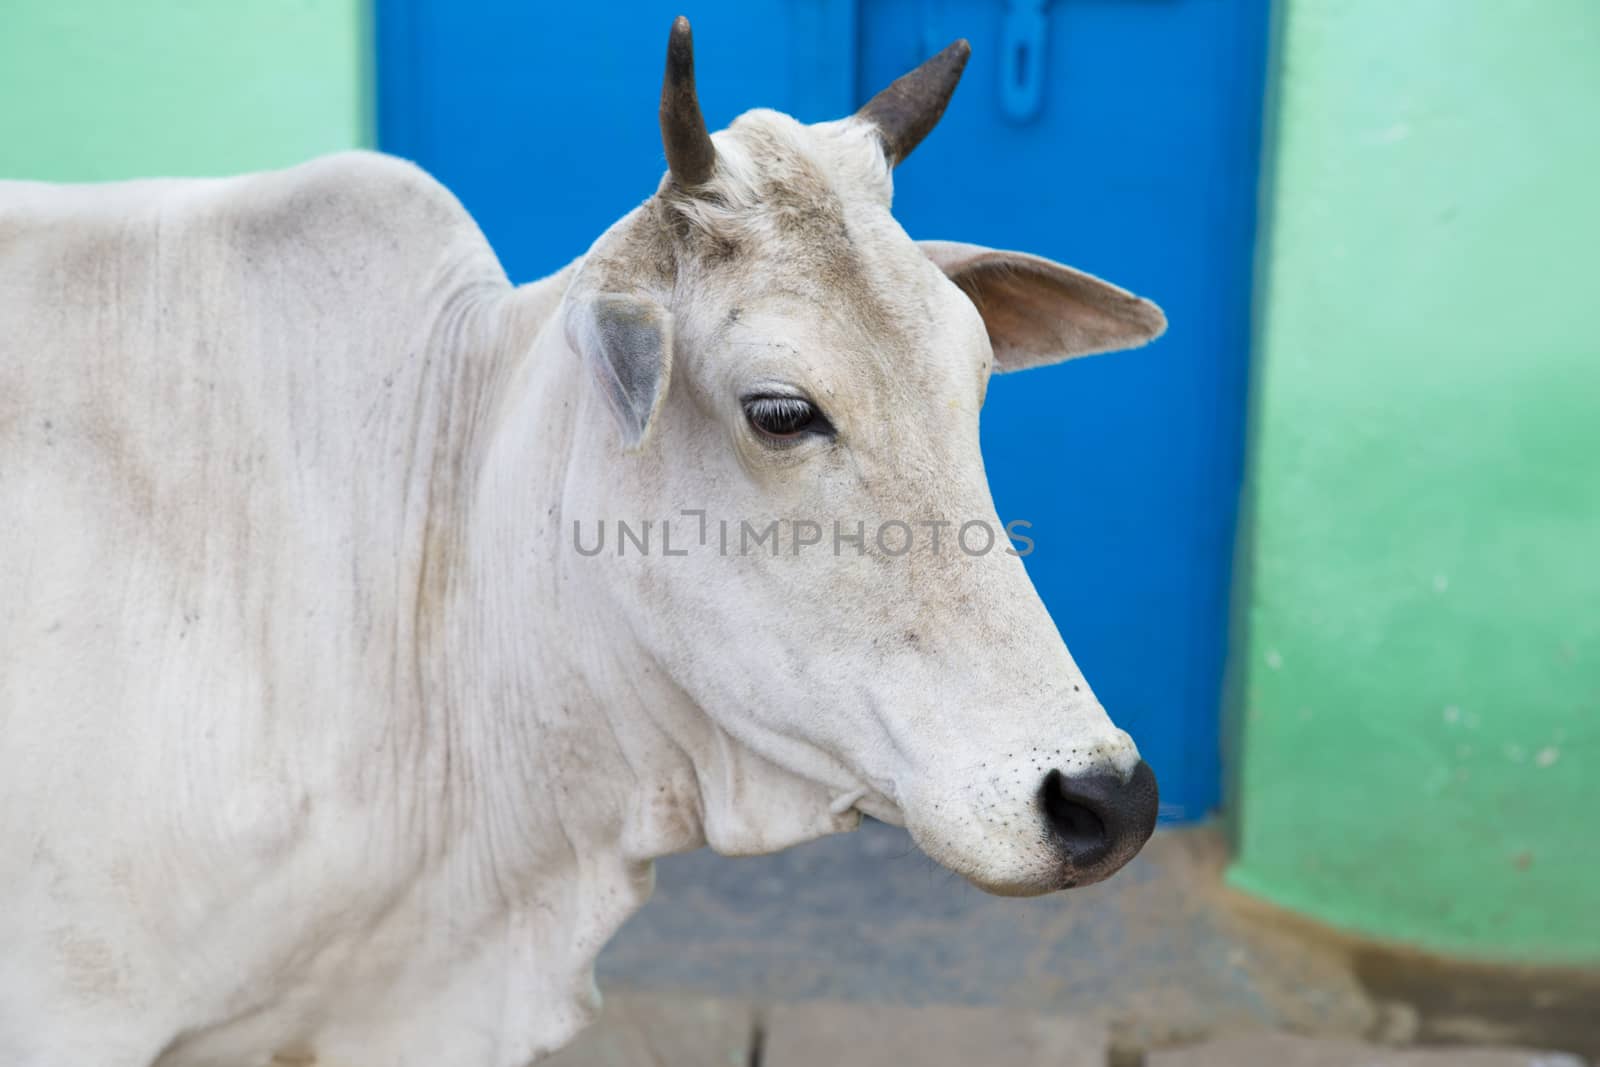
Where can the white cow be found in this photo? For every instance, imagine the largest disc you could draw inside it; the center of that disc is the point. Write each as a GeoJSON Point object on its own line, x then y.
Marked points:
{"type": "Point", "coordinates": [323, 739]}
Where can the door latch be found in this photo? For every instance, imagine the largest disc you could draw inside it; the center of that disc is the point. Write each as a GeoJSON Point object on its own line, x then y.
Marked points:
{"type": "Point", "coordinates": [1022, 43]}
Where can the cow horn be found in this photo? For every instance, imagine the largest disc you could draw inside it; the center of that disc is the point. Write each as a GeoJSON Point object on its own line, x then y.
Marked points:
{"type": "Point", "coordinates": [910, 107]}
{"type": "Point", "coordinates": [690, 154]}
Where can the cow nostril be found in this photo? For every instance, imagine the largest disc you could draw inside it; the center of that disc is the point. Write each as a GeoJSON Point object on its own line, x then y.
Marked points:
{"type": "Point", "coordinates": [1078, 827]}
{"type": "Point", "coordinates": [1098, 821]}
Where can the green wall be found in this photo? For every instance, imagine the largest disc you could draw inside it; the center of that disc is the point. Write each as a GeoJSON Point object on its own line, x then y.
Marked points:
{"type": "Point", "coordinates": [101, 89]}
{"type": "Point", "coordinates": [1419, 749]}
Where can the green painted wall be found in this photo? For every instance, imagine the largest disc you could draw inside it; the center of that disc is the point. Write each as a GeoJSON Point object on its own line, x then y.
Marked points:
{"type": "Point", "coordinates": [1419, 755]}
{"type": "Point", "coordinates": [101, 89]}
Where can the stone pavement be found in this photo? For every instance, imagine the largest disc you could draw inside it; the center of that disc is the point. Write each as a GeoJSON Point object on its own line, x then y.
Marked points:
{"type": "Point", "coordinates": [663, 1030]}
{"type": "Point", "coordinates": [1161, 955]}
{"type": "Point", "coordinates": [866, 917]}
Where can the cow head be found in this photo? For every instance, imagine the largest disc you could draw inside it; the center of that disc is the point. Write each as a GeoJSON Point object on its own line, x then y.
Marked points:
{"type": "Point", "coordinates": [794, 384]}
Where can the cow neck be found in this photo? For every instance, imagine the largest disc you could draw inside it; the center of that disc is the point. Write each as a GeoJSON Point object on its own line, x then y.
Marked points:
{"type": "Point", "coordinates": [588, 735]}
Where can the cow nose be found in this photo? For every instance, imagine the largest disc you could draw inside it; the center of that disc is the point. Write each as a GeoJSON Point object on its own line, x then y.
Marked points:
{"type": "Point", "coordinates": [1099, 821]}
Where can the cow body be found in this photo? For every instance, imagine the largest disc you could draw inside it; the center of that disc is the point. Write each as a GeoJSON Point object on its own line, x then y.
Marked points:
{"type": "Point", "coordinates": [320, 740]}
{"type": "Point", "coordinates": [239, 814]}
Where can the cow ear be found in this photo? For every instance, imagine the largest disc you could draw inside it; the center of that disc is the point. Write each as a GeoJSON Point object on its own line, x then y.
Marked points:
{"type": "Point", "coordinates": [1038, 312]}
{"type": "Point", "coordinates": [625, 342]}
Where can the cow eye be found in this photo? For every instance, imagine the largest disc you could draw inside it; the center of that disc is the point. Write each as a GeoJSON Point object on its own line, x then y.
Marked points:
{"type": "Point", "coordinates": [785, 418]}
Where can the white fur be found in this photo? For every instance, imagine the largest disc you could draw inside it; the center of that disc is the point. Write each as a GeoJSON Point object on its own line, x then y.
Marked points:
{"type": "Point", "coordinates": [317, 738]}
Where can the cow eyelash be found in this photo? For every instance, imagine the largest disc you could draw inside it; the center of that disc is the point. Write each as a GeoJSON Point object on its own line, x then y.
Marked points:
{"type": "Point", "coordinates": [786, 419]}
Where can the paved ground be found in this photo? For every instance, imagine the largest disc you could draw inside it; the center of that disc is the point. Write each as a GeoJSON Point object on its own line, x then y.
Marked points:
{"type": "Point", "coordinates": [1159, 957]}
{"type": "Point", "coordinates": [867, 917]}
{"type": "Point", "coordinates": [662, 1030]}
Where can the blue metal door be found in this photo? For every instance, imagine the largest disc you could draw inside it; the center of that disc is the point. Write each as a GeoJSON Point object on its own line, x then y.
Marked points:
{"type": "Point", "coordinates": [541, 116]}
{"type": "Point", "coordinates": [1119, 136]}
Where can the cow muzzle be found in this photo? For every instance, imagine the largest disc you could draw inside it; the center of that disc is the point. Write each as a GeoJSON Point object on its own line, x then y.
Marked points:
{"type": "Point", "coordinates": [1098, 822]}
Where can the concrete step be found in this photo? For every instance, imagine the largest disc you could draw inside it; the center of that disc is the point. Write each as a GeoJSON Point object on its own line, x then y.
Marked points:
{"type": "Point", "coordinates": [1282, 1050]}
{"type": "Point", "coordinates": [818, 1033]}
{"type": "Point", "coordinates": [663, 1030]}
{"type": "Point", "coordinates": [670, 1030]}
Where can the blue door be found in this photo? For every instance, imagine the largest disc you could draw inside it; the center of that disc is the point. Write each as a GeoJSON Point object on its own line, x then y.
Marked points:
{"type": "Point", "coordinates": [1119, 136]}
